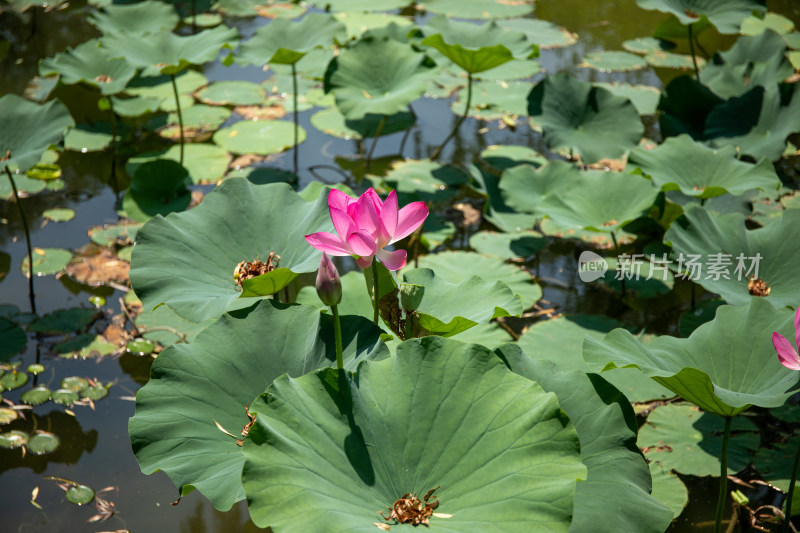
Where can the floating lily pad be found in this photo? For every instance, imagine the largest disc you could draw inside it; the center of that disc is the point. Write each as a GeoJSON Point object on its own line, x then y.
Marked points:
{"type": "Point", "coordinates": [168, 53]}
{"type": "Point", "coordinates": [613, 61]}
{"type": "Point", "coordinates": [204, 20]}
{"type": "Point", "coordinates": [425, 180]}
{"type": "Point", "coordinates": [742, 253]}
{"type": "Point", "coordinates": [135, 106]}
{"type": "Point", "coordinates": [7, 415]}
{"type": "Point", "coordinates": [508, 245]}
{"type": "Point", "coordinates": [645, 45]}
{"type": "Point", "coordinates": [662, 59]}
{"type": "Point", "coordinates": [79, 494]}
{"type": "Point", "coordinates": [140, 347]}
{"type": "Point", "coordinates": [456, 267]}
{"type": "Point", "coordinates": [65, 397]}
{"type": "Point", "coordinates": [199, 285]}
{"type": "Point", "coordinates": [414, 450]}
{"type": "Point", "coordinates": [231, 93]}
{"type": "Point", "coordinates": [160, 88]}
{"type": "Point", "coordinates": [36, 395]}
{"type": "Point", "coordinates": [43, 442]}
{"type": "Point", "coordinates": [574, 114]}
{"type": "Point", "coordinates": [499, 213]}
{"type": "Point", "coordinates": [25, 185]}
{"type": "Point", "coordinates": [560, 340]}
{"type": "Point", "coordinates": [682, 438]}
{"type": "Point", "coordinates": [542, 33]}
{"type": "Point", "coordinates": [263, 137]}
{"type": "Point", "coordinates": [358, 5]}
{"type": "Point", "coordinates": [95, 393]}
{"type": "Point", "coordinates": [332, 122]}
{"type": "Point", "coordinates": [501, 157]}
{"type": "Point", "coordinates": [13, 439]}
{"type": "Point", "coordinates": [644, 97]}
{"type": "Point", "coordinates": [141, 18]}
{"type": "Point", "coordinates": [35, 369]}
{"type": "Point", "coordinates": [206, 163]}
{"type": "Point", "coordinates": [774, 463]}
{"type": "Point", "coordinates": [713, 367]}
{"type": "Point", "coordinates": [683, 164]}
{"type": "Point", "coordinates": [28, 129]}
{"type": "Point", "coordinates": [12, 339]}
{"type": "Point", "coordinates": [59, 214]}
{"type": "Point", "coordinates": [13, 380]}
{"type": "Point", "coordinates": [74, 383]}
{"type": "Point", "coordinates": [173, 406]}
{"type": "Point", "coordinates": [725, 15]}
{"type": "Point", "coordinates": [493, 100]}
{"type": "Point", "coordinates": [47, 261]}
{"type": "Point", "coordinates": [89, 63]}
{"type": "Point", "coordinates": [479, 9]}
{"type": "Point", "coordinates": [668, 488]}
{"type": "Point", "coordinates": [377, 75]}
{"type": "Point", "coordinates": [85, 346]}
{"type": "Point", "coordinates": [64, 321]}
{"type": "Point", "coordinates": [109, 235]}
{"type": "Point", "coordinates": [756, 25]}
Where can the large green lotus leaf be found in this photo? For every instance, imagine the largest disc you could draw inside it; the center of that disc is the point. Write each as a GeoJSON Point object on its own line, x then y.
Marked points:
{"type": "Point", "coordinates": [236, 92]}
{"type": "Point", "coordinates": [425, 180]}
{"type": "Point", "coordinates": [332, 122]}
{"type": "Point", "coordinates": [377, 75]}
{"type": "Point", "coordinates": [358, 24]}
{"type": "Point", "coordinates": [644, 97]}
{"type": "Point", "coordinates": [683, 164]}
{"type": "Point", "coordinates": [592, 120]}
{"type": "Point", "coordinates": [193, 386]}
{"type": "Point", "coordinates": [28, 129]}
{"type": "Point", "coordinates": [602, 202]}
{"type": "Point", "coordinates": [542, 33]}
{"type": "Point", "coordinates": [524, 187]}
{"type": "Point", "coordinates": [440, 414]}
{"type": "Point", "coordinates": [476, 48]}
{"type": "Point", "coordinates": [682, 438]}
{"type": "Point", "coordinates": [457, 267]}
{"type": "Point", "coordinates": [263, 137]}
{"type": "Point", "coordinates": [615, 496]}
{"type": "Point", "coordinates": [560, 340]}
{"type": "Point", "coordinates": [725, 15]}
{"type": "Point", "coordinates": [158, 187]}
{"type": "Point", "coordinates": [150, 16]}
{"type": "Point", "coordinates": [685, 106]}
{"type": "Point", "coordinates": [187, 260]}
{"type": "Point", "coordinates": [479, 9]}
{"type": "Point", "coordinates": [762, 253]}
{"type": "Point", "coordinates": [724, 367]}
{"type": "Point", "coordinates": [284, 41]}
{"type": "Point", "coordinates": [450, 308]}
{"type": "Point", "coordinates": [168, 53]}
{"type": "Point", "coordinates": [88, 63]}
{"type": "Point", "coordinates": [775, 123]}
{"type": "Point", "coordinates": [752, 61]}
{"type": "Point", "coordinates": [492, 100]}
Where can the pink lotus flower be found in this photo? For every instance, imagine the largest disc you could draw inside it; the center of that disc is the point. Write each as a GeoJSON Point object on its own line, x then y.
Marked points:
{"type": "Point", "coordinates": [366, 225]}
{"type": "Point", "coordinates": [787, 354]}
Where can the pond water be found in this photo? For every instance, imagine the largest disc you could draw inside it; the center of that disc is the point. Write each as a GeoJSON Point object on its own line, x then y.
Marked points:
{"type": "Point", "coordinates": [96, 449]}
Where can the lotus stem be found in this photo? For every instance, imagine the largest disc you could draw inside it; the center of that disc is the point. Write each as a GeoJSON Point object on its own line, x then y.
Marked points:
{"type": "Point", "coordinates": [694, 58]}
{"type": "Point", "coordinates": [616, 249]}
{"type": "Point", "coordinates": [378, 131]}
{"type": "Point", "coordinates": [296, 121]}
{"type": "Point", "coordinates": [31, 294]}
{"type": "Point", "coordinates": [438, 151]}
{"type": "Point", "coordinates": [337, 330]}
{"type": "Point", "coordinates": [375, 293]}
{"type": "Point", "coordinates": [787, 519]}
{"type": "Point", "coordinates": [180, 115]}
{"type": "Point", "coordinates": [723, 475]}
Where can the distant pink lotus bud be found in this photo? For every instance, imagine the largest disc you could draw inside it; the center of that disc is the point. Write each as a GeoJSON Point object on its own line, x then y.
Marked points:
{"type": "Point", "coordinates": [329, 286]}
{"type": "Point", "coordinates": [787, 354]}
{"type": "Point", "coordinates": [366, 225]}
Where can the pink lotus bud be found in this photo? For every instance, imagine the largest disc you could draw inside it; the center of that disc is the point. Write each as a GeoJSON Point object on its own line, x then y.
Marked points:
{"type": "Point", "coordinates": [329, 286]}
